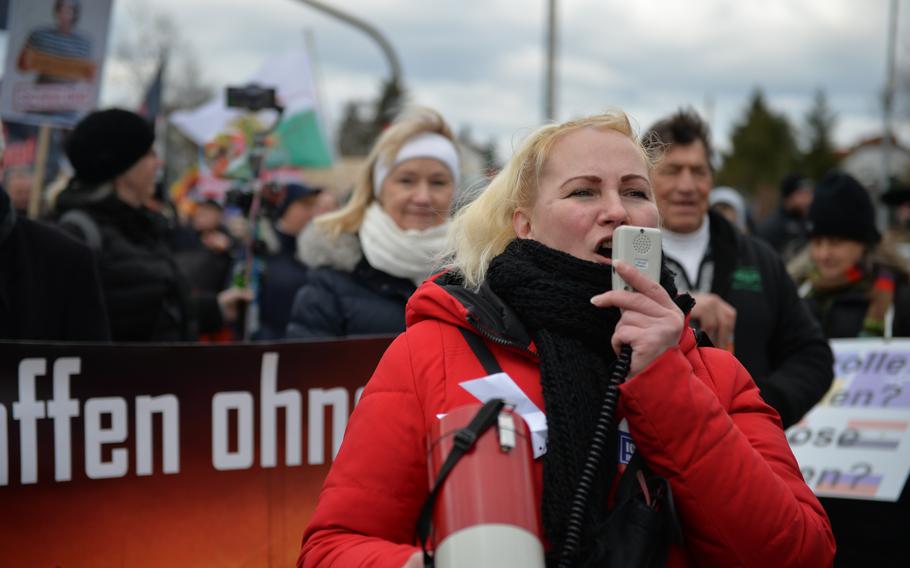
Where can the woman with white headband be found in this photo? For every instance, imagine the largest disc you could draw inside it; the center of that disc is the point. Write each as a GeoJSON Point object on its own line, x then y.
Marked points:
{"type": "Point", "coordinates": [369, 256]}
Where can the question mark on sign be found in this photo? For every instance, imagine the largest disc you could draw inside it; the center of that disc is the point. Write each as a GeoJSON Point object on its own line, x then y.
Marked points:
{"type": "Point", "coordinates": [895, 391]}
{"type": "Point", "coordinates": [863, 467]}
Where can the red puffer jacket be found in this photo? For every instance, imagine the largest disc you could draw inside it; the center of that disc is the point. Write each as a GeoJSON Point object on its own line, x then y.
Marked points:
{"type": "Point", "coordinates": [695, 416]}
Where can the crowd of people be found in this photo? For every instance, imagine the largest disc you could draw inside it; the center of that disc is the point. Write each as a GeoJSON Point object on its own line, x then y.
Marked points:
{"type": "Point", "coordinates": [732, 342]}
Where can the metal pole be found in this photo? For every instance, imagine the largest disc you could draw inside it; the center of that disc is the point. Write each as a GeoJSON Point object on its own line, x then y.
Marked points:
{"type": "Point", "coordinates": [549, 103]}
{"type": "Point", "coordinates": [322, 115]}
{"type": "Point", "coordinates": [36, 197]}
{"type": "Point", "coordinates": [384, 45]}
{"type": "Point", "coordinates": [888, 109]}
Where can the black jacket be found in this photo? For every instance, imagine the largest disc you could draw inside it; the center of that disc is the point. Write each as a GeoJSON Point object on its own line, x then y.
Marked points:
{"type": "Point", "coordinates": [49, 286]}
{"type": "Point", "coordinates": [344, 295]}
{"type": "Point", "coordinates": [147, 297]}
{"type": "Point", "coordinates": [775, 337]}
{"type": "Point", "coordinates": [841, 312]}
{"type": "Point", "coordinates": [335, 303]}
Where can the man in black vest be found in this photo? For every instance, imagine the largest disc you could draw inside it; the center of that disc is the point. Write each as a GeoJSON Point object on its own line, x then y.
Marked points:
{"type": "Point", "coordinates": [745, 300]}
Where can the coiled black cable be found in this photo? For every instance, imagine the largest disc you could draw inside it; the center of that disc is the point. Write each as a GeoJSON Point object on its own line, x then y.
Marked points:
{"type": "Point", "coordinates": [602, 431]}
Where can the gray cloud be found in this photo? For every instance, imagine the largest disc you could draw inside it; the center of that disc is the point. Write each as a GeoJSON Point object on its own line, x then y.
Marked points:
{"type": "Point", "coordinates": [480, 61]}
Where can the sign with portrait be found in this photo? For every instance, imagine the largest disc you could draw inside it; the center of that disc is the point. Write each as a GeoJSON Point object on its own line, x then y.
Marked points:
{"type": "Point", "coordinates": [54, 56]}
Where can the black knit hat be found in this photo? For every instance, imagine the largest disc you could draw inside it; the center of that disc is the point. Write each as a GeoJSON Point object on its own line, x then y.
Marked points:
{"type": "Point", "coordinates": [841, 207]}
{"type": "Point", "coordinates": [106, 143]}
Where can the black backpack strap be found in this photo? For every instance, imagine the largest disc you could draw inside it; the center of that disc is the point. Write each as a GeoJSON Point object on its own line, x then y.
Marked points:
{"type": "Point", "coordinates": [481, 351]}
{"type": "Point", "coordinates": [464, 441]}
{"type": "Point", "coordinates": [84, 223]}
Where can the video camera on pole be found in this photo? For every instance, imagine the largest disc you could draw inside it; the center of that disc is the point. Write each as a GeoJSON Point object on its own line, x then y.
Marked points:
{"type": "Point", "coordinates": [253, 98]}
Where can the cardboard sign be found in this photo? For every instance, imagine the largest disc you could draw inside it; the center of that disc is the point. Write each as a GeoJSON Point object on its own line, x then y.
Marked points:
{"type": "Point", "coordinates": [855, 444]}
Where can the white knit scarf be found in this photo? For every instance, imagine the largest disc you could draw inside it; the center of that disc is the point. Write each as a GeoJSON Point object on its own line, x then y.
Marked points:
{"type": "Point", "coordinates": [408, 253]}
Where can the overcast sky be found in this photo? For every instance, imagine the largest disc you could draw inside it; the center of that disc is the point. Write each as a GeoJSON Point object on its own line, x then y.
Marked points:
{"type": "Point", "coordinates": [480, 62]}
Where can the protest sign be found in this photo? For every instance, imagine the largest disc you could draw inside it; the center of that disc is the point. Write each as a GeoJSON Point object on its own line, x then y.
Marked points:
{"type": "Point", "coordinates": [855, 443]}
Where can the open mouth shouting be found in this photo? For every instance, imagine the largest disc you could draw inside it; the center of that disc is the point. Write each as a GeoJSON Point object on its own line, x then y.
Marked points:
{"type": "Point", "coordinates": [604, 251]}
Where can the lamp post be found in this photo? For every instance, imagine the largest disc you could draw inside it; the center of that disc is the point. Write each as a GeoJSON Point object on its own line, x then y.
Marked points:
{"type": "Point", "coordinates": [888, 109]}
{"type": "Point", "coordinates": [549, 102]}
{"type": "Point", "coordinates": [384, 45]}
{"type": "Point", "coordinates": [392, 89]}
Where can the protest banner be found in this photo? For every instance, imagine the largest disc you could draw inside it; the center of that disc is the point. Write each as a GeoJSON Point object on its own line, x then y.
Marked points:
{"type": "Point", "coordinates": [855, 444]}
{"type": "Point", "coordinates": [169, 455]}
{"type": "Point", "coordinates": [188, 455]}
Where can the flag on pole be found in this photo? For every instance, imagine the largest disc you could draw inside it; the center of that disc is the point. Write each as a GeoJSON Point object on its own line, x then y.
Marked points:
{"type": "Point", "coordinates": [299, 140]}
{"type": "Point", "coordinates": [299, 137]}
{"type": "Point", "coordinates": [151, 103]}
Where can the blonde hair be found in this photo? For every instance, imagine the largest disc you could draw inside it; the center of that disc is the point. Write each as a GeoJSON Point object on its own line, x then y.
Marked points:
{"type": "Point", "coordinates": [410, 123]}
{"type": "Point", "coordinates": [482, 229]}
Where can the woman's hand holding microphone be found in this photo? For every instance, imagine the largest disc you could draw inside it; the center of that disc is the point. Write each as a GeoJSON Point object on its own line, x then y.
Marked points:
{"type": "Point", "coordinates": [650, 323]}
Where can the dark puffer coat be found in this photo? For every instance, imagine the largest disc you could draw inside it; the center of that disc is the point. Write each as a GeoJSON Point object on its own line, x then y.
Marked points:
{"type": "Point", "coordinates": [344, 296]}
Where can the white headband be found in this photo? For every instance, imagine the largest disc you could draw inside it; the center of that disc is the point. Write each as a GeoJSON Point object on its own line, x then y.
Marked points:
{"type": "Point", "coordinates": [424, 145]}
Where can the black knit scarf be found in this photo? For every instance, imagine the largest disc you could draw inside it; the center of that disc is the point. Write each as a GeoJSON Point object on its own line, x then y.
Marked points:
{"type": "Point", "coordinates": [551, 291]}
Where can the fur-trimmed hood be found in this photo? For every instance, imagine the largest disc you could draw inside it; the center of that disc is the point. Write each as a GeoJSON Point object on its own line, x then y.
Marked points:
{"type": "Point", "coordinates": [317, 248]}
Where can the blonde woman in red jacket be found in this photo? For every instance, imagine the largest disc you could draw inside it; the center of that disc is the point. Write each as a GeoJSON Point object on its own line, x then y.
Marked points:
{"type": "Point", "coordinates": [530, 273]}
